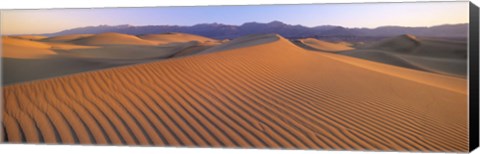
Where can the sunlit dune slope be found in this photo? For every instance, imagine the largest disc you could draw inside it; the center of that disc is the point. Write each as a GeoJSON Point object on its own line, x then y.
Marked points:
{"type": "Point", "coordinates": [264, 95]}
{"type": "Point", "coordinates": [24, 49]}
{"type": "Point", "coordinates": [438, 56]}
{"type": "Point", "coordinates": [175, 37]}
{"type": "Point", "coordinates": [65, 38]}
{"type": "Point", "coordinates": [314, 44]}
{"type": "Point", "coordinates": [8, 40]}
{"type": "Point", "coordinates": [112, 39]}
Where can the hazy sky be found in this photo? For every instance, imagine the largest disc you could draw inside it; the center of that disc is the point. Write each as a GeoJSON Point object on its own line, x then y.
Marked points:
{"type": "Point", "coordinates": [369, 15]}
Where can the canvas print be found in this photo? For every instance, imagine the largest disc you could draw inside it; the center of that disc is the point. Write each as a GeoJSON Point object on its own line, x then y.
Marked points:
{"type": "Point", "coordinates": [360, 76]}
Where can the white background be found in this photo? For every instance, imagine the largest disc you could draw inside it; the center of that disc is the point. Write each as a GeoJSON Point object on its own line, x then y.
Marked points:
{"type": "Point", "coordinates": [53, 149]}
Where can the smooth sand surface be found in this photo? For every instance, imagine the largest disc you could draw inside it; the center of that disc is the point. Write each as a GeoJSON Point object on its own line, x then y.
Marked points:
{"type": "Point", "coordinates": [326, 46]}
{"type": "Point", "coordinates": [264, 93]}
{"type": "Point", "coordinates": [438, 56]}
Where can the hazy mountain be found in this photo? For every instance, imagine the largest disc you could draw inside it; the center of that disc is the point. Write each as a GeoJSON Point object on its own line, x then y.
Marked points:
{"type": "Point", "coordinates": [222, 31]}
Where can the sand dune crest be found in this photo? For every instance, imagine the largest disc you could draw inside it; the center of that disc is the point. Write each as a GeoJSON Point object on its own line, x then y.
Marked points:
{"type": "Point", "coordinates": [320, 45]}
{"type": "Point", "coordinates": [245, 41]}
{"type": "Point", "coordinates": [65, 38]}
{"type": "Point", "coordinates": [112, 39]}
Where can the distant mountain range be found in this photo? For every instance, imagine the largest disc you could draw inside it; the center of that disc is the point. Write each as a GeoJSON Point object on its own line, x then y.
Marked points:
{"type": "Point", "coordinates": [223, 31]}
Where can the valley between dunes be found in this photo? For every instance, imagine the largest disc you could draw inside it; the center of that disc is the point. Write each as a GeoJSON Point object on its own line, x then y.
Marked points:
{"type": "Point", "coordinates": [258, 91]}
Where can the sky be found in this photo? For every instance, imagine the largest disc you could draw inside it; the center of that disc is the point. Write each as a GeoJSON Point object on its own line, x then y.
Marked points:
{"type": "Point", "coordinates": [360, 15]}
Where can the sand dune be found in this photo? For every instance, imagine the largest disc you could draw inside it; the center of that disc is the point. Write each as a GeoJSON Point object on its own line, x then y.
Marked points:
{"type": "Point", "coordinates": [122, 52]}
{"type": "Point", "coordinates": [409, 44]}
{"type": "Point", "coordinates": [314, 44]}
{"type": "Point", "coordinates": [193, 50]}
{"type": "Point", "coordinates": [7, 40]}
{"type": "Point", "coordinates": [345, 43]}
{"type": "Point", "coordinates": [175, 38]}
{"type": "Point", "coordinates": [438, 56]}
{"type": "Point", "coordinates": [68, 46]}
{"type": "Point", "coordinates": [27, 60]}
{"type": "Point", "coordinates": [24, 49]}
{"type": "Point", "coordinates": [383, 57]}
{"type": "Point", "coordinates": [244, 41]}
{"type": "Point", "coordinates": [448, 66]}
{"type": "Point", "coordinates": [263, 92]}
{"type": "Point", "coordinates": [403, 43]}
{"type": "Point", "coordinates": [30, 37]}
{"type": "Point", "coordinates": [17, 71]}
{"type": "Point", "coordinates": [65, 38]}
{"type": "Point", "coordinates": [112, 39]}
